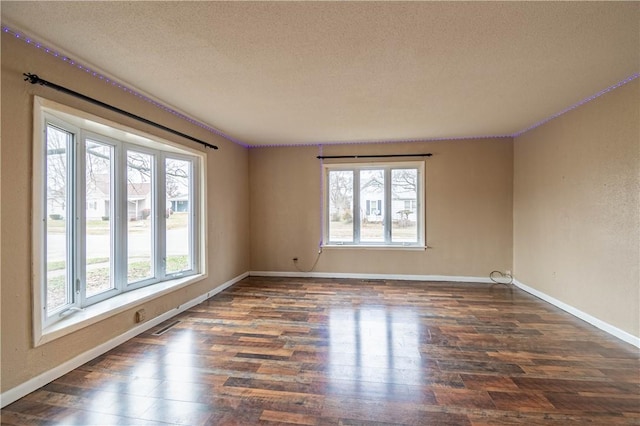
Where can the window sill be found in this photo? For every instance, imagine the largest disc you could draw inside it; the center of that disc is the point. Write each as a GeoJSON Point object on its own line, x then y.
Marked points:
{"type": "Point", "coordinates": [110, 307]}
{"type": "Point", "coordinates": [374, 247]}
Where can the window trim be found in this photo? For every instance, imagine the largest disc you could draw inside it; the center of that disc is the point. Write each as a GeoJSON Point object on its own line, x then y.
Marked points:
{"type": "Point", "coordinates": [387, 167]}
{"type": "Point", "coordinates": [108, 132]}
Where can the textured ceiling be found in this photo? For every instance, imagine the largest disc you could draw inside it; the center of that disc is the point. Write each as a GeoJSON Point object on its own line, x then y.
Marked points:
{"type": "Point", "coordinates": [307, 72]}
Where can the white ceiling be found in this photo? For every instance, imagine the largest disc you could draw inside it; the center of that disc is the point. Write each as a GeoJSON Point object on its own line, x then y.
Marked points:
{"type": "Point", "coordinates": [312, 72]}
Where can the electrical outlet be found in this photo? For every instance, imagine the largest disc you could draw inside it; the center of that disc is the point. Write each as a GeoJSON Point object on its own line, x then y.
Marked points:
{"type": "Point", "coordinates": [140, 315]}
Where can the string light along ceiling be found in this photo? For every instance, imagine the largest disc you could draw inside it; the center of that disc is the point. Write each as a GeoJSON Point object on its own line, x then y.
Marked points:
{"type": "Point", "coordinates": [120, 86]}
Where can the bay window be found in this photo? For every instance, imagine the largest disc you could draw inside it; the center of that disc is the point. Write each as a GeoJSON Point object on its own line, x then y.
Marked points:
{"type": "Point", "coordinates": [114, 211]}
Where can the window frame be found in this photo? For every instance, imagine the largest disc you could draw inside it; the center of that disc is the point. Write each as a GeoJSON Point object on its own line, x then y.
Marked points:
{"type": "Point", "coordinates": [156, 241]}
{"type": "Point", "coordinates": [82, 310]}
{"type": "Point", "coordinates": [194, 202]}
{"type": "Point", "coordinates": [387, 167]}
{"type": "Point", "coordinates": [82, 219]}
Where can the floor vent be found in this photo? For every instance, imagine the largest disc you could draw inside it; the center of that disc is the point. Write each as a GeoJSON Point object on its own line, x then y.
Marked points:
{"type": "Point", "coordinates": [165, 328]}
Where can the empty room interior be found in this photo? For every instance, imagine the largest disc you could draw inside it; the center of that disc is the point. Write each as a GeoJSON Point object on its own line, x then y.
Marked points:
{"type": "Point", "coordinates": [320, 213]}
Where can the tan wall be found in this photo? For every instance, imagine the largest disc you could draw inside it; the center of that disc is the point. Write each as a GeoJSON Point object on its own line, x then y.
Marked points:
{"type": "Point", "coordinates": [228, 207]}
{"type": "Point", "coordinates": [562, 208]}
{"type": "Point", "coordinates": [577, 211]}
{"type": "Point", "coordinates": [468, 210]}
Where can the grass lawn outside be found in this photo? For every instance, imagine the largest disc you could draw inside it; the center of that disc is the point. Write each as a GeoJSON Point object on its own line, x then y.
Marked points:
{"type": "Point", "coordinates": [99, 280]}
{"type": "Point", "coordinates": [343, 231]}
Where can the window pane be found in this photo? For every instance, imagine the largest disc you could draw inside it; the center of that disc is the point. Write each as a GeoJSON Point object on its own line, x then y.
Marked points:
{"type": "Point", "coordinates": [99, 218]}
{"type": "Point", "coordinates": [140, 217]}
{"type": "Point", "coordinates": [341, 205]}
{"type": "Point", "coordinates": [372, 206]}
{"type": "Point", "coordinates": [59, 289]}
{"type": "Point", "coordinates": [178, 217]}
{"type": "Point", "coordinates": [404, 205]}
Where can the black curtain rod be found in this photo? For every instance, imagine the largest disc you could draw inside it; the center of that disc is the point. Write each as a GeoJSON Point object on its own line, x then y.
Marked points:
{"type": "Point", "coordinates": [34, 79]}
{"type": "Point", "coordinates": [321, 157]}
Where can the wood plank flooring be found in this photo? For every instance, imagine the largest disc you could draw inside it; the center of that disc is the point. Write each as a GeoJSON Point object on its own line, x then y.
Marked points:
{"type": "Point", "coordinates": [353, 352]}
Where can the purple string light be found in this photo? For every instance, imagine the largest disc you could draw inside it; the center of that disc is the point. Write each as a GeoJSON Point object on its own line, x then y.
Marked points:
{"type": "Point", "coordinates": [512, 135]}
{"type": "Point", "coordinates": [576, 105]}
{"type": "Point", "coordinates": [382, 141]}
{"type": "Point", "coordinates": [215, 131]}
{"type": "Point", "coordinates": [124, 88]}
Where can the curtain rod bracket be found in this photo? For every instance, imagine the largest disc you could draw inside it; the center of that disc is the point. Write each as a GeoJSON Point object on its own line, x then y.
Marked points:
{"type": "Point", "coordinates": [34, 79]}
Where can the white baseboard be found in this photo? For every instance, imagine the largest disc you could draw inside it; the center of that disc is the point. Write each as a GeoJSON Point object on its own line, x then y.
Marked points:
{"type": "Point", "coordinates": [295, 274]}
{"type": "Point", "coordinates": [604, 326]}
{"type": "Point", "coordinates": [37, 382]}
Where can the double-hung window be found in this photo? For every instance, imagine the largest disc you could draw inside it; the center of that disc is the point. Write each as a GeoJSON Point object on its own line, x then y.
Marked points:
{"type": "Point", "coordinates": [379, 204]}
{"type": "Point", "coordinates": [114, 211]}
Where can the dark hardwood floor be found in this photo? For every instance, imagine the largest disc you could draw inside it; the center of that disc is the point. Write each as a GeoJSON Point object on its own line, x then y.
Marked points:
{"type": "Point", "coordinates": [352, 352]}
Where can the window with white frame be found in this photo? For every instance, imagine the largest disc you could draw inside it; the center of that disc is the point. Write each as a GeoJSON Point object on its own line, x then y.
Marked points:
{"type": "Point", "coordinates": [379, 204]}
{"type": "Point", "coordinates": [114, 211]}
